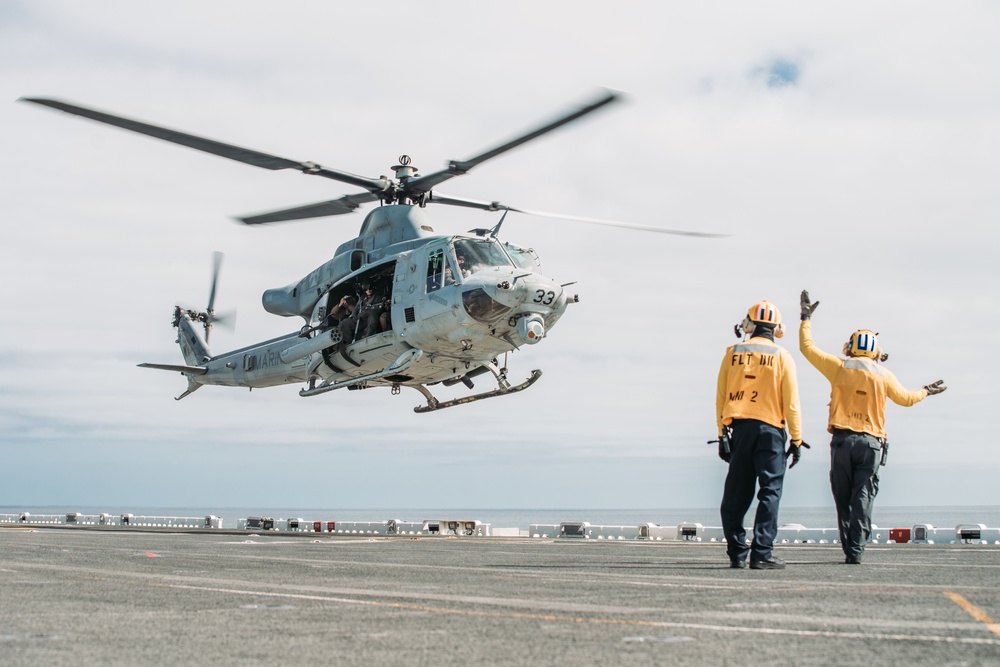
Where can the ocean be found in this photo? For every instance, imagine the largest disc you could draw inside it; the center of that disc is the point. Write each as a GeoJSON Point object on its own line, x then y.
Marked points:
{"type": "Point", "coordinates": [810, 517]}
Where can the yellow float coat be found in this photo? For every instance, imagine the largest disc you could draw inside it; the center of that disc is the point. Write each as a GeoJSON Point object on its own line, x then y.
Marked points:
{"type": "Point", "coordinates": [757, 381]}
{"type": "Point", "coordinates": [858, 388]}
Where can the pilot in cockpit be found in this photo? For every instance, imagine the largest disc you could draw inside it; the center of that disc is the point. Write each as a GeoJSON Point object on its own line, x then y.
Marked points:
{"type": "Point", "coordinates": [464, 266]}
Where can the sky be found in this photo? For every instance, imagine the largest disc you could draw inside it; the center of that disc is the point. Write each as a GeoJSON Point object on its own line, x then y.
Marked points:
{"type": "Point", "coordinates": [847, 148]}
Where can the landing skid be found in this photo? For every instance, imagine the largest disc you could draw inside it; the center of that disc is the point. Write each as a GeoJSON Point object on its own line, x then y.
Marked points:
{"type": "Point", "coordinates": [433, 404]}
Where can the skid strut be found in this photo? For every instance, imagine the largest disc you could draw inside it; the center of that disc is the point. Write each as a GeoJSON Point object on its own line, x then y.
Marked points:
{"type": "Point", "coordinates": [433, 404]}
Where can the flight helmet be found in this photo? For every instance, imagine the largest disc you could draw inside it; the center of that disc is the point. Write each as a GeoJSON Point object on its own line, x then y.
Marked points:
{"type": "Point", "coordinates": [763, 312]}
{"type": "Point", "coordinates": [863, 343]}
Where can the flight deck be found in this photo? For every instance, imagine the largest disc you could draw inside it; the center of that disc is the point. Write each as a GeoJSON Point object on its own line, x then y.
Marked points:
{"type": "Point", "coordinates": [179, 596]}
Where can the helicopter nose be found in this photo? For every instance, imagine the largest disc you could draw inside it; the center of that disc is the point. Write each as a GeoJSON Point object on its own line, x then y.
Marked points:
{"type": "Point", "coordinates": [515, 296]}
{"type": "Point", "coordinates": [528, 293]}
{"type": "Point", "coordinates": [541, 295]}
{"type": "Point", "coordinates": [534, 293]}
{"type": "Point", "coordinates": [541, 303]}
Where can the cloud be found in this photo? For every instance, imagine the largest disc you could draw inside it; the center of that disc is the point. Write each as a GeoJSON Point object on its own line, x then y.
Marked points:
{"type": "Point", "coordinates": [779, 73]}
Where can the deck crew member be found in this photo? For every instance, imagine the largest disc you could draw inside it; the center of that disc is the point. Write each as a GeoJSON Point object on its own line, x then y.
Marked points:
{"type": "Point", "coordinates": [757, 397]}
{"type": "Point", "coordinates": [859, 386]}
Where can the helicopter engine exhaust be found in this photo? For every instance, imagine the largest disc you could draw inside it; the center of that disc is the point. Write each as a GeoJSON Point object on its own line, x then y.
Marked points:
{"type": "Point", "coordinates": [282, 301]}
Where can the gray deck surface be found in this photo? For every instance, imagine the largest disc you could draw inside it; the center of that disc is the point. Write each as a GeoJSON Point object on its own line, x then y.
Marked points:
{"type": "Point", "coordinates": [89, 597]}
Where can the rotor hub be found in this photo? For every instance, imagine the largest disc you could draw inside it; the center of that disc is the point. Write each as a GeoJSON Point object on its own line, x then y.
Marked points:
{"type": "Point", "coordinates": [404, 169]}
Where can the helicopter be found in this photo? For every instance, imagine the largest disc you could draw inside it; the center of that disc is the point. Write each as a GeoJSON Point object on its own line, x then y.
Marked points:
{"type": "Point", "coordinates": [397, 306]}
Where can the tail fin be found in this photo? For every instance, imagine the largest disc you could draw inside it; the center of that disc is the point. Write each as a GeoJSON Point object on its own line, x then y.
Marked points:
{"type": "Point", "coordinates": [192, 387]}
{"type": "Point", "coordinates": [193, 345]}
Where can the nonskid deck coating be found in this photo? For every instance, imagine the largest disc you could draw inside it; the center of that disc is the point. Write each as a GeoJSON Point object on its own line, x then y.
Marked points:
{"type": "Point", "coordinates": [116, 597]}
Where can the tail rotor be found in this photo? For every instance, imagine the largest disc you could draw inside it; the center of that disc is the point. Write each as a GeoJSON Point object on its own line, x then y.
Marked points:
{"type": "Point", "coordinates": [208, 317]}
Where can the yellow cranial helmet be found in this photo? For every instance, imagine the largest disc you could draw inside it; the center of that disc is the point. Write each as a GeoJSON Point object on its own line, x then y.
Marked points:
{"type": "Point", "coordinates": [764, 312]}
{"type": "Point", "coordinates": [862, 343]}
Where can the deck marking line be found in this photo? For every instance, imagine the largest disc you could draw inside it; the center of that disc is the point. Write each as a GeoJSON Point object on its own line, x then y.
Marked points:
{"type": "Point", "coordinates": [975, 612]}
{"type": "Point", "coordinates": [596, 621]}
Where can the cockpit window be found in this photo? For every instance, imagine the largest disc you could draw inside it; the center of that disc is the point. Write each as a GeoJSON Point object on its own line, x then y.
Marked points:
{"type": "Point", "coordinates": [525, 258]}
{"type": "Point", "coordinates": [438, 274]}
{"type": "Point", "coordinates": [476, 254]}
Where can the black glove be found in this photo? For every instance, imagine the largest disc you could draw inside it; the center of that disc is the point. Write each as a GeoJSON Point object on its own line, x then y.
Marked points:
{"type": "Point", "coordinates": [724, 452]}
{"type": "Point", "coordinates": [807, 306]}
{"type": "Point", "coordinates": [935, 387]}
{"type": "Point", "coordinates": [796, 452]}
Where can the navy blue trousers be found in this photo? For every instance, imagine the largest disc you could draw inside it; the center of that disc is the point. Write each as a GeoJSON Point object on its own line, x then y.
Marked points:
{"type": "Point", "coordinates": [758, 458]}
{"type": "Point", "coordinates": [854, 460]}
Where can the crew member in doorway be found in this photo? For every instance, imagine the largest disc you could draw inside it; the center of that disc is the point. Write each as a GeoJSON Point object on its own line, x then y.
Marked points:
{"type": "Point", "coordinates": [347, 310]}
{"type": "Point", "coordinates": [859, 386]}
{"type": "Point", "coordinates": [372, 305]}
{"type": "Point", "coordinates": [363, 321]}
{"type": "Point", "coordinates": [342, 310]}
{"type": "Point", "coordinates": [757, 398]}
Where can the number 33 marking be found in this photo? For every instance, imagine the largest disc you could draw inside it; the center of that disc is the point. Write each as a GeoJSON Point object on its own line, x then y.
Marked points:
{"type": "Point", "coordinates": [545, 298]}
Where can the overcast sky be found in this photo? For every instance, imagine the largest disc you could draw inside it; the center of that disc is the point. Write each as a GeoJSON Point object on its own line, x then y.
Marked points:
{"type": "Point", "coordinates": [848, 148]}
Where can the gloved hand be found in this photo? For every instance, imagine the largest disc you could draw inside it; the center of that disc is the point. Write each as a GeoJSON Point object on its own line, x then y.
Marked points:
{"type": "Point", "coordinates": [795, 451]}
{"type": "Point", "coordinates": [935, 387]}
{"type": "Point", "coordinates": [724, 452]}
{"type": "Point", "coordinates": [807, 306]}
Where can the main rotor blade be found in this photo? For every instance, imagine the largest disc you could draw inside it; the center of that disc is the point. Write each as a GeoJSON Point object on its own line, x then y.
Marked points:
{"type": "Point", "coordinates": [422, 184]}
{"type": "Point", "coordinates": [339, 206]}
{"type": "Point", "coordinates": [436, 198]}
{"type": "Point", "coordinates": [615, 223]}
{"type": "Point", "coordinates": [245, 155]}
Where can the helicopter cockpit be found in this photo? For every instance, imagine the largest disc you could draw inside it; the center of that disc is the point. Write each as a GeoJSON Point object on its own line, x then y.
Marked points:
{"type": "Point", "coordinates": [458, 264]}
{"type": "Point", "coordinates": [470, 256]}
{"type": "Point", "coordinates": [476, 254]}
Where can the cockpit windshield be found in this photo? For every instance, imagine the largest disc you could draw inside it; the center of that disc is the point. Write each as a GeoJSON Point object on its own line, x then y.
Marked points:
{"type": "Point", "coordinates": [476, 254]}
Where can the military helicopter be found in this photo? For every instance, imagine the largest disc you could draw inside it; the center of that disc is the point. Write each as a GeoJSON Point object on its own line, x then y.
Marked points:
{"type": "Point", "coordinates": [398, 306]}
